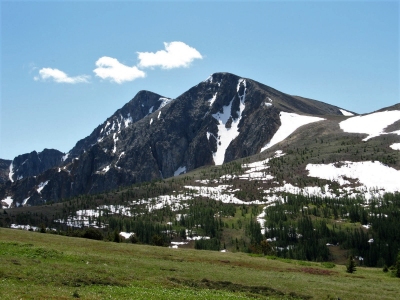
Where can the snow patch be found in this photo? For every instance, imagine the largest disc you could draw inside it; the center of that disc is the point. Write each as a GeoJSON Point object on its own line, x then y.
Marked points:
{"type": "Point", "coordinates": [115, 143]}
{"type": "Point", "coordinates": [212, 100]}
{"type": "Point", "coordinates": [151, 121]}
{"type": "Point", "coordinates": [151, 109]}
{"type": "Point", "coordinates": [25, 227]}
{"type": "Point", "coordinates": [180, 170]}
{"type": "Point", "coordinates": [289, 123]}
{"type": "Point", "coordinates": [41, 186]}
{"type": "Point", "coordinates": [159, 114]}
{"type": "Point", "coordinates": [372, 124]}
{"type": "Point", "coordinates": [126, 235]}
{"type": "Point", "coordinates": [366, 173]}
{"type": "Point", "coordinates": [128, 120]}
{"type": "Point", "coordinates": [227, 135]}
{"type": "Point", "coordinates": [395, 146]}
{"type": "Point", "coordinates": [25, 201]}
{"type": "Point", "coordinates": [346, 113]}
{"type": "Point", "coordinates": [11, 174]}
{"type": "Point", "coordinates": [65, 157]}
{"type": "Point", "coordinates": [7, 202]}
{"type": "Point", "coordinates": [164, 101]}
{"type": "Point", "coordinates": [106, 169]}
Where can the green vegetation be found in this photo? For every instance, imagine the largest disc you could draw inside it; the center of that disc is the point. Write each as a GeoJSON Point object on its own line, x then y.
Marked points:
{"type": "Point", "coordinates": [48, 266]}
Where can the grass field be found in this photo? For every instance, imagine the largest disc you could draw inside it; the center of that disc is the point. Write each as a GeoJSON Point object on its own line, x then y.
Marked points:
{"type": "Point", "coordinates": [47, 266]}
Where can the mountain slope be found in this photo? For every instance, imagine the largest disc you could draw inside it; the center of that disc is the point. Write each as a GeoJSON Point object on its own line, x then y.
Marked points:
{"type": "Point", "coordinates": [221, 119]}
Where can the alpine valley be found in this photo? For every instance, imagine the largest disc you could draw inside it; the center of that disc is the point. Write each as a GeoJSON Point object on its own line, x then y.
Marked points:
{"type": "Point", "coordinates": [232, 165]}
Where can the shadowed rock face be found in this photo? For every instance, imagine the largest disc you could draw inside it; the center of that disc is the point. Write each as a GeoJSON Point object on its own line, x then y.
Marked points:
{"type": "Point", "coordinates": [4, 170]}
{"type": "Point", "coordinates": [34, 163]}
{"type": "Point", "coordinates": [219, 120]}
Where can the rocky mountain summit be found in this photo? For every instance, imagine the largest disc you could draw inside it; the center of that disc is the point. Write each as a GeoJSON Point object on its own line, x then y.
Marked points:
{"type": "Point", "coordinates": [221, 119]}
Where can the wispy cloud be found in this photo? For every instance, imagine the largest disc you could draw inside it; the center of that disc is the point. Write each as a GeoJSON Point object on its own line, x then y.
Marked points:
{"type": "Point", "coordinates": [175, 55]}
{"type": "Point", "coordinates": [111, 68]}
{"type": "Point", "coordinates": [59, 76]}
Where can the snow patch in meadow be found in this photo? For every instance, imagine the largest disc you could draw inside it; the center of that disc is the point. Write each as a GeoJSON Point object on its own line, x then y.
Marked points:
{"type": "Point", "coordinates": [256, 170]}
{"type": "Point", "coordinates": [395, 146]}
{"type": "Point", "coordinates": [372, 124]}
{"type": "Point", "coordinates": [180, 170]}
{"type": "Point", "coordinates": [346, 113]}
{"type": "Point", "coordinates": [41, 186]}
{"type": "Point", "coordinates": [221, 193]}
{"type": "Point", "coordinates": [261, 220]}
{"type": "Point", "coordinates": [126, 235]}
{"type": "Point", "coordinates": [227, 135]}
{"type": "Point", "coordinates": [289, 123]}
{"type": "Point", "coordinates": [306, 191]}
{"type": "Point", "coordinates": [24, 227]}
{"type": "Point", "coordinates": [369, 174]}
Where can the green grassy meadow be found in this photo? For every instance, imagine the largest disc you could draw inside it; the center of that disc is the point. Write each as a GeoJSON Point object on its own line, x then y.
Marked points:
{"type": "Point", "coordinates": [46, 266]}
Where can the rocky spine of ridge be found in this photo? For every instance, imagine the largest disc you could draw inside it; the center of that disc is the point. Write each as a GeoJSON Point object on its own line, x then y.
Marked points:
{"type": "Point", "coordinates": [143, 104]}
{"type": "Point", "coordinates": [34, 163]}
{"type": "Point", "coordinates": [221, 119]}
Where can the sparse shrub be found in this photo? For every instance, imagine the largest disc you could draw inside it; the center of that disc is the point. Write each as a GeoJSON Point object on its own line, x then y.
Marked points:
{"type": "Point", "coordinates": [75, 294]}
{"type": "Point", "coordinates": [117, 237]}
{"type": "Point", "coordinates": [385, 269]}
{"type": "Point", "coordinates": [93, 234]}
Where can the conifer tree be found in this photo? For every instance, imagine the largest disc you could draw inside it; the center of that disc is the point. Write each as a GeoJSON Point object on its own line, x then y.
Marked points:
{"type": "Point", "coordinates": [397, 266]}
{"type": "Point", "coordinates": [351, 265]}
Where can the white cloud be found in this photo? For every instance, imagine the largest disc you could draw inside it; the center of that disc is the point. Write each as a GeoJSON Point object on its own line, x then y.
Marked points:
{"type": "Point", "coordinates": [59, 76]}
{"type": "Point", "coordinates": [111, 68]}
{"type": "Point", "coordinates": [175, 55]}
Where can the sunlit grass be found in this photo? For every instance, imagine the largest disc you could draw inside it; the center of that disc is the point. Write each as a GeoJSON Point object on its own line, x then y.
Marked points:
{"type": "Point", "coordinates": [46, 266]}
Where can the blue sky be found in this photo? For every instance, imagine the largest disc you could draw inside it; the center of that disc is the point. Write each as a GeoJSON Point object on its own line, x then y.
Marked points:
{"type": "Point", "coordinates": [67, 66]}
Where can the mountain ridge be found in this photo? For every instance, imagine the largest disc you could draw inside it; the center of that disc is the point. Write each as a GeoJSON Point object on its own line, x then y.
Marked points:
{"type": "Point", "coordinates": [223, 118]}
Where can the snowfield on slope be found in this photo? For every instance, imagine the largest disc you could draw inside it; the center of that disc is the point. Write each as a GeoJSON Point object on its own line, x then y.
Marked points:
{"type": "Point", "coordinates": [372, 124]}
{"type": "Point", "coordinates": [289, 123]}
{"type": "Point", "coordinates": [369, 174]}
{"type": "Point", "coordinates": [395, 146]}
{"type": "Point", "coordinates": [227, 135]}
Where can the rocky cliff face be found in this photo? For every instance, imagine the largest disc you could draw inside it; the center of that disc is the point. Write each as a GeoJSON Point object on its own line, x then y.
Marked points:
{"type": "Point", "coordinates": [221, 119]}
{"type": "Point", "coordinates": [143, 104]}
{"type": "Point", "coordinates": [34, 163]}
{"type": "Point", "coordinates": [4, 170]}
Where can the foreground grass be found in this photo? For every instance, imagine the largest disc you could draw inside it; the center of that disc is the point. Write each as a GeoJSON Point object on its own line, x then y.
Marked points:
{"type": "Point", "coordinates": [45, 266]}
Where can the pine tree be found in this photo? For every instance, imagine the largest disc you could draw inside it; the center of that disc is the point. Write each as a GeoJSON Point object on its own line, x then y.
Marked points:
{"type": "Point", "coordinates": [397, 266]}
{"type": "Point", "coordinates": [351, 265]}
